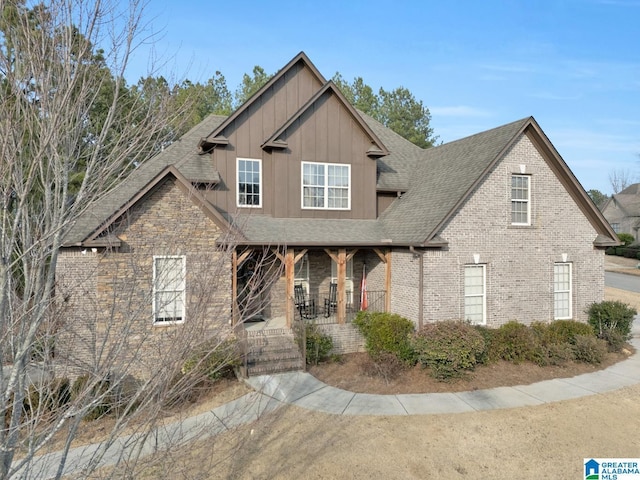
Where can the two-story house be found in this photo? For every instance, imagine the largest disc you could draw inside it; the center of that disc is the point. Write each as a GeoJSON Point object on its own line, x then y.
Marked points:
{"type": "Point", "coordinates": [490, 228]}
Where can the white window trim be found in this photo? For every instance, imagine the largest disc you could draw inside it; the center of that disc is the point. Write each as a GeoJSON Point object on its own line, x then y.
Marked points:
{"type": "Point", "coordinates": [184, 290]}
{"type": "Point", "coordinates": [241, 205]}
{"type": "Point", "coordinates": [570, 291]}
{"type": "Point", "coordinates": [527, 201]}
{"type": "Point", "coordinates": [483, 294]}
{"type": "Point", "coordinates": [326, 186]}
{"type": "Point", "coordinates": [304, 281]}
{"type": "Point", "coordinates": [348, 280]}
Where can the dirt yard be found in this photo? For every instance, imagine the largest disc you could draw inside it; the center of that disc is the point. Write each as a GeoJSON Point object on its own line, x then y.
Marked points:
{"type": "Point", "coordinates": [548, 441]}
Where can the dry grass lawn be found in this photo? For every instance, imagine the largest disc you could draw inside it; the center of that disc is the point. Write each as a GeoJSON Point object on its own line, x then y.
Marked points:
{"type": "Point", "coordinates": [548, 441]}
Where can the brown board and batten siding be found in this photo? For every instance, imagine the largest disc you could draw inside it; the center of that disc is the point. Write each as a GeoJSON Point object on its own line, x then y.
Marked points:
{"type": "Point", "coordinates": [325, 132]}
{"type": "Point", "coordinates": [252, 127]}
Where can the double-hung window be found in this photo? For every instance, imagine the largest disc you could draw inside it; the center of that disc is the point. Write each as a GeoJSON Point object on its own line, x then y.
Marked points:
{"type": "Point", "coordinates": [475, 305]}
{"type": "Point", "coordinates": [249, 188]}
{"type": "Point", "coordinates": [520, 200]}
{"type": "Point", "coordinates": [562, 291]}
{"type": "Point", "coordinates": [326, 186]}
{"type": "Point", "coordinates": [168, 289]}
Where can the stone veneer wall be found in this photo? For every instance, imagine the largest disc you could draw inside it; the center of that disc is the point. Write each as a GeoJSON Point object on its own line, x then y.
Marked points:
{"type": "Point", "coordinates": [519, 259]}
{"type": "Point", "coordinates": [109, 293]}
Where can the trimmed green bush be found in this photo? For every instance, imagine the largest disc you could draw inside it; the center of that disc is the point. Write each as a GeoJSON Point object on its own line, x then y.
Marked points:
{"type": "Point", "coordinates": [213, 359]}
{"type": "Point", "coordinates": [611, 316]}
{"type": "Point", "coordinates": [610, 251]}
{"type": "Point", "coordinates": [615, 340]}
{"type": "Point", "coordinates": [565, 331]}
{"type": "Point", "coordinates": [559, 354]}
{"type": "Point", "coordinates": [589, 349]}
{"type": "Point", "coordinates": [448, 348]}
{"type": "Point", "coordinates": [101, 391]}
{"type": "Point", "coordinates": [626, 238]}
{"type": "Point", "coordinates": [515, 342]}
{"type": "Point", "coordinates": [319, 345]}
{"type": "Point", "coordinates": [386, 332]}
{"type": "Point", "coordinates": [487, 334]}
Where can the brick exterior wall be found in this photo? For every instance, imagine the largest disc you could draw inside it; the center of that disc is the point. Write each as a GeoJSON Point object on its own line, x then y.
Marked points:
{"type": "Point", "coordinates": [109, 293]}
{"type": "Point", "coordinates": [519, 260]}
{"type": "Point", "coordinates": [346, 338]}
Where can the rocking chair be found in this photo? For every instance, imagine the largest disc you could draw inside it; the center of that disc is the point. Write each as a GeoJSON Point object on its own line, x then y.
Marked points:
{"type": "Point", "coordinates": [331, 303]}
{"type": "Point", "coordinates": [306, 306]}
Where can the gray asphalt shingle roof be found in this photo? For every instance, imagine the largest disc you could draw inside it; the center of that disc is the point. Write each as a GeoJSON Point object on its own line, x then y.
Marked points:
{"type": "Point", "coordinates": [182, 153]}
{"type": "Point", "coordinates": [441, 179]}
{"type": "Point", "coordinates": [435, 181]}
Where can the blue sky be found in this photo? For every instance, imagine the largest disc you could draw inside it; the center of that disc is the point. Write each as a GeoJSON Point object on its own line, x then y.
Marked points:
{"type": "Point", "coordinates": [572, 64]}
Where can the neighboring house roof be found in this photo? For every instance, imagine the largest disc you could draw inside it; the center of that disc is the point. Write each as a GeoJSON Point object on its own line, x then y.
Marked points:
{"type": "Point", "coordinates": [627, 202]}
{"type": "Point", "coordinates": [183, 154]}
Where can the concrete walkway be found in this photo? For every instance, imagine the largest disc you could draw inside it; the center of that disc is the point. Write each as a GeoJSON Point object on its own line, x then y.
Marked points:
{"type": "Point", "coordinates": [305, 391]}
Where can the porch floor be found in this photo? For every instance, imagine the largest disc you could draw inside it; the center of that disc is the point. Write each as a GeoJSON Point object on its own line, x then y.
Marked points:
{"type": "Point", "coordinates": [266, 324]}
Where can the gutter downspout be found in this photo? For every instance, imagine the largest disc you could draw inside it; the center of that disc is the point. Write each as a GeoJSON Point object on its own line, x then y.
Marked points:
{"type": "Point", "coordinates": [420, 255]}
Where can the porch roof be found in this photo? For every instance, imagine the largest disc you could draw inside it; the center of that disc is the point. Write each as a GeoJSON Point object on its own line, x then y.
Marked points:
{"type": "Point", "coordinates": [264, 229]}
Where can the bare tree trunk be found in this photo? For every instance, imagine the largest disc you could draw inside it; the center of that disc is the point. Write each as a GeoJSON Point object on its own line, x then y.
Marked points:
{"type": "Point", "coordinates": [70, 131]}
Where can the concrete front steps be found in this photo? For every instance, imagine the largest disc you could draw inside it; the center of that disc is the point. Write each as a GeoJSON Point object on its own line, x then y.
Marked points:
{"type": "Point", "coordinates": [273, 351]}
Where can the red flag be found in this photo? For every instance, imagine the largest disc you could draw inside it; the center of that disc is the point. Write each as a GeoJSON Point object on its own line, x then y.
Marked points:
{"type": "Point", "coordinates": [364, 303]}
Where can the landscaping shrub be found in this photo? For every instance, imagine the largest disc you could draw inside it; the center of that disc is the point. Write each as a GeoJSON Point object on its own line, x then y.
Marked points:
{"type": "Point", "coordinates": [319, 345]}
{"type": "Point", "coordinates": [386, 332]}
{"type": "Point", "coordinates": [610, 251]}
{"type": "Point", "coordinates": [589, 349]}
{"type": "Point", "coordinates": [611, 316]}
{"type": "Point", "coordinates": [385, 365]}
{"type": "Point", "coordinates": [515, 342]}
{"type": "Point", "coordinates": [487, 334]}
{"type": "Point", "coordinates": [565, 331]}
{"type": "Point", "coordinates": [630, 252]}
{"type": "Point", "coordinates": [615, 340]}
{"type": "Point", "coordinates": [448, 348]}
{"type": "Point", "coordinates": [559, 354]}
{"type": "Point", "coordinates": [101, 390]}
{"type": "Point", "coordinates": [213, 359]}
{"type": "Point", "coordinates": [626, 238]}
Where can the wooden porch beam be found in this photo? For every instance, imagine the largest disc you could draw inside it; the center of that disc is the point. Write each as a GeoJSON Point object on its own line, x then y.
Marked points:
{"type": "Point", "coordinates": [380, 254]}
{"type": "Point", "coordinates": [300, 255]}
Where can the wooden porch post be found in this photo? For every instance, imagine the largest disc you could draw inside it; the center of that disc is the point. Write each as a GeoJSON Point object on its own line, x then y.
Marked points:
{"type": "Point", "coordinates": [234, 287]}
{"type": "Point", "coordinates": [386, 259]}
{"type": "Point", "coordinates": [342, 272]}
{"type": "Point", "coordinates": [289, 269]}
{"type": "Point", "coordinates": [387, 281]}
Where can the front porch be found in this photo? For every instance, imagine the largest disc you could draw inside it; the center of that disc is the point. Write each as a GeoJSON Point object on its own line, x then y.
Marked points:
{"type": "Point", "coordinates": [314, 284]}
